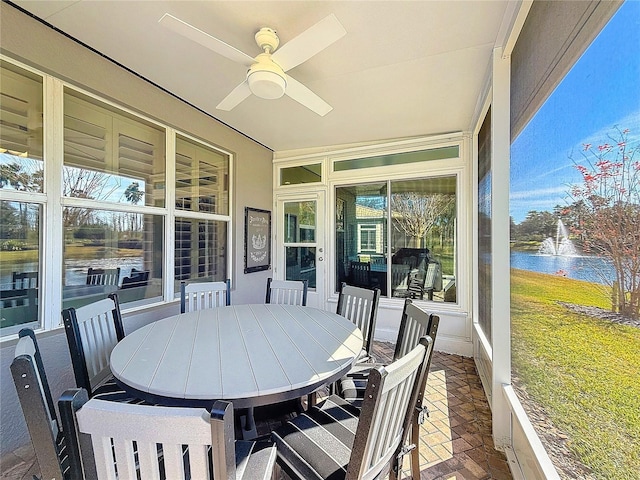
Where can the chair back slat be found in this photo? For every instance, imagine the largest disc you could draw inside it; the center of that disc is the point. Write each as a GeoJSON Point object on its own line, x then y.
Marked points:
{"type": "Point", "coordinates": [386, 411]}
{"type": "Point", "coordinates": [360, 305]}
{"type": "Point", "coordinates": [287, 292]}
{"type": "Point", "coordinates": [202, 295]}
{"type": "Point", "coordinates": [92, 332]}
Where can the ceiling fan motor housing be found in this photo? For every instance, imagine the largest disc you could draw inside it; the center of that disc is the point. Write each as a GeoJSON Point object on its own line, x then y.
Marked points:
{"type": "Point", "coordinates": [266, 79]}
{"type": "Point", "coordinates": [267, 39]}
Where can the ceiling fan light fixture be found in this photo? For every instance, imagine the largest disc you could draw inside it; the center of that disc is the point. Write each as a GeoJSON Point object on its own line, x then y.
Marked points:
{"type": "Point", "coordinates": [266, 80]}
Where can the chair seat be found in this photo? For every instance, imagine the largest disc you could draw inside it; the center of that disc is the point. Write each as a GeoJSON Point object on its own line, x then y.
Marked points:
{"type": "Point", "coordinates": [254, 460]}
{"type": "Point", "coordinates": [317, 444]}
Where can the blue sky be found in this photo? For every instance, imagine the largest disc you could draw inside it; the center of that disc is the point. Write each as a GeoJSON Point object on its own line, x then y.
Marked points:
{"type": "Point", "coordinates": [602, 90]}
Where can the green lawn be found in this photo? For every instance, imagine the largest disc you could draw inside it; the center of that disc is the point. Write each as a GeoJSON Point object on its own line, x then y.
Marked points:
{"type": "Point", "coordinates": [583, 370]}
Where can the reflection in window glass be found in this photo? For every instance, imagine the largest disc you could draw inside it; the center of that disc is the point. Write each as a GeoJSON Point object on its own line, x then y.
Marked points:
{"type": "Point", "coordinates": [110, 251]}
{"type": "Point", "coordinates": [202, 174]}
{"type": "Point", "coordinates": [423, 233]}
{"type": "Point", "coordinates": [21, 161]}
{"type": "Point", "coordinates": [200, 251]}
{"type": "Point", "coordinates": [111, 156]}
{"type": "Point", "coordinates": [361, 235]}
{"type": "Point", "coordinates": [301, 174]}
{"type": "Point", "coordinates": [19, 264]}
{"type": "Point", "coordinates": [484, 227]}
{"type": "Point", "coordinates": [397, 159]}
{"type": "Point", "coordinates": [301, 264]}
{"type": "Point", "coordinates": [300, 227]}
{"type": "Point", "coordinates": [420, 262]}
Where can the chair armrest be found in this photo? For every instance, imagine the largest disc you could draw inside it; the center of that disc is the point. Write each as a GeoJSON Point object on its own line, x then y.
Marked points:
{"type": "Point", "coordinates": [80, 465]}
{"type": "Point", "coordinates": [237, 460]}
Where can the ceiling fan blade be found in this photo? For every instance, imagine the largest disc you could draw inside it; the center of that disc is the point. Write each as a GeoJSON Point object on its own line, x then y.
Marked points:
{"type": "Point", "coordinates": [306, 97]}
{"type": "Point", "coordinates": [236, 96]}
{"type": "Point", "coordinates": [203, 38]}
{"type": "Point", "coordinates": [308, 43]}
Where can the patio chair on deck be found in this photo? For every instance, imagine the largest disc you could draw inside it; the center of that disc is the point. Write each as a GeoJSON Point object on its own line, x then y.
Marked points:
{"type": "Point", "coordinates": [414, 324]}
{"type": "Point", "coordinates": [289, 292]}
{"type": "Point", "coordinates": [336, 440]}
{"type": "Point", "coordinates": [30, 379]}
{"type": "Point", "coordinates": [92, 332]}
{"type": "Point", "coordinates": [103, 276]}
{"type": "Point", "coordinates": [199, 295]}
{"type": "Point", "coordinates": [131, 441]}
{"type": "Point", "coordinates": [360, 305]}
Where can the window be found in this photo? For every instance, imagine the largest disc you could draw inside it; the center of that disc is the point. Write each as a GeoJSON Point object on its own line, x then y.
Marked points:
{"type": "Point", "coordinates": [202, 189]}
{"type": "Point", "coordinates": [368, 234]}
{"type": "Point", "coordinates": [484, 227]}
{"type": "Point", "coordinates": [108, 213]}
{"type": "Point", "coordinates": [399, 236]}
{"type": "Point", "coordinates": [111, 157]}
{"type": "Point", "coordinates": [107, 251]}
{"type": "Point", "coordinates": [21, 182]}
{"type": "Point", "coordinates": [202, 178]}
{"type": "Point", "coordinates": [20, 266]}
{"type": "Point", "coordinates": [300, 241]}
{"type": "Point", "coordinates": [301, 174]}
{"type": "Point", "coordinates": [397, 159]}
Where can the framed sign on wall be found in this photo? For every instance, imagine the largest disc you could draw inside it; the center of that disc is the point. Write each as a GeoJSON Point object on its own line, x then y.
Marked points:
{"type": "Point", "coordinates": [257, 240]}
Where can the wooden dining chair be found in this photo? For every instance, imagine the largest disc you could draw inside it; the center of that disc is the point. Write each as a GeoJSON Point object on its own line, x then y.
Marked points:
{"type": "Point", "coordinates": [336, 440]}
{"type": "Point", "coordinates": [103, 276]}
{"type": "Point", "coordinates": [200, 295]}
{"type": "Point", "coordinates": [360, 305]}
{"type": "Point", "coordinates": [30, 379]}
{"type": "Point", "coordinates": [129, 441]}
{"type": "Point", "coordinates": [92, 332]}
{"type": "Point", "coordinates": [289, 292]}
{"type": "Point", "coordinates": [414, 324]}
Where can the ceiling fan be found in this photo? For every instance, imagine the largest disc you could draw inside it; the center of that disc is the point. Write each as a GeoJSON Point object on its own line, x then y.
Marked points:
{"type": "Point", "coordinates": [266, 77]}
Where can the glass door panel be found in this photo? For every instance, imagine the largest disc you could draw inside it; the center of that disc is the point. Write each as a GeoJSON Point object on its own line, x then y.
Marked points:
{"type": "Point", "coordinates": [299, 238]}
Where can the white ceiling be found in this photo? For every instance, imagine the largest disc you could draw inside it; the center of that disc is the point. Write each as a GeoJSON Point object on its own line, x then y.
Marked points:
{"type": "Point", "coordinates": [404, 68]}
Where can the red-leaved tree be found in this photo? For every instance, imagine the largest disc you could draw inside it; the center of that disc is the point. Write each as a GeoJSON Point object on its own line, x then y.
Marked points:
{"type": "Point", "coordinates": [610, 218]}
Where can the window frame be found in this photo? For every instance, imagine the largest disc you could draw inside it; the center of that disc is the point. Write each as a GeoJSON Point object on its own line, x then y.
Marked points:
{"type": "Point", "coordinates": [459, 167]}
{"type": "Point", "coordinates": [53, 202]}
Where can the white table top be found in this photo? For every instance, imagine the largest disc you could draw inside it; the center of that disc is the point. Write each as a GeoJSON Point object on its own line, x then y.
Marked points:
{"type": "Point", "coordinates": [249, 354]}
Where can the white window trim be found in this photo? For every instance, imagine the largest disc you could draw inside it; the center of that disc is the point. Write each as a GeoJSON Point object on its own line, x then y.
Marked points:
{"type": "Point", "coordinates": [52, 201]}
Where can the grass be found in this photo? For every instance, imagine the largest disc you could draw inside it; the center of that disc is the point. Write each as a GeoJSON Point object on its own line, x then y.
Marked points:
{"type": "Point", "coordinates": [583, 370]}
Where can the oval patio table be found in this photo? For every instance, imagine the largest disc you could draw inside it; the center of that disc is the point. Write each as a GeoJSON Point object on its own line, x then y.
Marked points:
{"type": "Point", "coordinates": [250, 355]}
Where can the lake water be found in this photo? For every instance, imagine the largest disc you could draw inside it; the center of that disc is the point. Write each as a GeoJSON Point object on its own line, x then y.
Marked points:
{"type": "Point", "coordinates": [588, 268]}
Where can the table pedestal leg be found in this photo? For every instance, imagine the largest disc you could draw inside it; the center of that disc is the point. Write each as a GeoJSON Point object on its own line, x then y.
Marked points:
{"type": "Point", "coordinates": [248, 423]}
